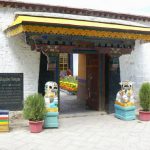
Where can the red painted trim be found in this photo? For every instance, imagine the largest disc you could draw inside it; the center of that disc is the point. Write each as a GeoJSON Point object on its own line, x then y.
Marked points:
{"type": "Point", "coordinates": [68, 10]}
{"type": "Point", "coordinates": [4, 118]}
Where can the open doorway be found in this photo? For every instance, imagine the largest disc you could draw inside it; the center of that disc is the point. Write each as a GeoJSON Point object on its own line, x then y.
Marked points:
{"type": "Point", "coordinates": [97, 80]}
{"type": "Point", "coordinates": [69, 102]}
{"type": "Point", "coordinates": [87, 96]}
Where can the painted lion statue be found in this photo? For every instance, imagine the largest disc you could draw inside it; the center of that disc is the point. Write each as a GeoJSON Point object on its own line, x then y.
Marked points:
{"type": "Point", "coordinates": [125, 97]}
{"type": "Point", "coordinates": [51, 94]}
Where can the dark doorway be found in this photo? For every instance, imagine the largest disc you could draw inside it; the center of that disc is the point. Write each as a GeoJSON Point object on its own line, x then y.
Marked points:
{"type": "Point", "coordinates": [112, 79]}
{"type": "Point", "coordinates": [92, 77]}
{"type": "Point", "coordinates": [44, 75]}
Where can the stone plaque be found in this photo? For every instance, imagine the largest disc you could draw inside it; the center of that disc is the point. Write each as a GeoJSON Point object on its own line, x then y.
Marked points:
{"type": "Point", "coordinates": [11, 91]}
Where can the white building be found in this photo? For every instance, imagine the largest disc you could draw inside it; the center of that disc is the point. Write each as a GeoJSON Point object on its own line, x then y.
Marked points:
{"type": "Point", "coordinates": [122, 36]}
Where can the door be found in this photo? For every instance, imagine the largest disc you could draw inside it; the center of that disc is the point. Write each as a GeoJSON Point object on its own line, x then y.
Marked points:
{"type": "Point", "coordinates": [44, 74]}
{"type": "Point", "coordinates": [48, 72]}
{"type": "Point", "coordinates": [92, 78]}
{"type": "Point", "coordinates": [112, 82]}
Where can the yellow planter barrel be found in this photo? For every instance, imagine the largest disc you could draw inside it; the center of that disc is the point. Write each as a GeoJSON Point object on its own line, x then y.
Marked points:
{"type": "Point", "coordinates": [4, 120]}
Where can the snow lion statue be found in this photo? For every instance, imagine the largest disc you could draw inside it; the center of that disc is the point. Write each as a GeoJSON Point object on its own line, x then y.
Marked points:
{"type": "Point", "coordinates": [125, 97]}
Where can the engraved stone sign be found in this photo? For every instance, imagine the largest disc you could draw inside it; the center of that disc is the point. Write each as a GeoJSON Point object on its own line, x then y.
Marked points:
{"type": "Point", "coordinates": [11, 91]}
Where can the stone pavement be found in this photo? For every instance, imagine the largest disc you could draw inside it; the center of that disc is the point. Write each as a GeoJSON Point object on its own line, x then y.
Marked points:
{"type": "Point", "coordinates": [85, 132]}
{"type": "Point", "coordinates": [70, 104]}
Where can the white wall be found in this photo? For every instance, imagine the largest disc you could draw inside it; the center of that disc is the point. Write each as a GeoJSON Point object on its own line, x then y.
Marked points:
{"type": "Point", "coordinates": [75, 64]}
{"type": "Point", "coordinates": [16, 56]}
{"type": "Point", "coordinates": [136, 66]}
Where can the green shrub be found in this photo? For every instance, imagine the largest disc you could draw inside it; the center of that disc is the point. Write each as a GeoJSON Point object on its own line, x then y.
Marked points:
{"type": "Point", "coordinates": [34, 107]}
{"type": "Point", "coordinates": [144, 95]}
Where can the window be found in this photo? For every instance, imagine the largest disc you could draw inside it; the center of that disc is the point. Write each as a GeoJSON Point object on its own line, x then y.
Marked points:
{"type": "Point", "coordinates": [63, 61]}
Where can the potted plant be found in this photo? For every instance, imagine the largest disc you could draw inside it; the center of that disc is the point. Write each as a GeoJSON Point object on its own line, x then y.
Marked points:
{"type": "Point", "coordinates": [34, 110]}
{"type": "Point", "coordinates": [144, 95]}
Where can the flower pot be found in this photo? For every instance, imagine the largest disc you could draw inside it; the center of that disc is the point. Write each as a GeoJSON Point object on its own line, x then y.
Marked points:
{"type": "Point", "coordinates": [144, 115]}
{"type": "Point", "coordinates": [36, 126]}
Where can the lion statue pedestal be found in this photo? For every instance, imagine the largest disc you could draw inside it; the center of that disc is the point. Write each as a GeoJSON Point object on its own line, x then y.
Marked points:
{"type": "Point", "coordinates": [51, 102]}
{"type": "Point", "coordinates": [124, 104]}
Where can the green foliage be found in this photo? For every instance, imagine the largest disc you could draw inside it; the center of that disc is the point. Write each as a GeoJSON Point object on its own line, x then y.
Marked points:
{"type": "Point", "coordinates": [34, 107]}
{"type": "Point", "coordinates": [70, 79]}
{"type": "Point", "coordinates": [144, 95]}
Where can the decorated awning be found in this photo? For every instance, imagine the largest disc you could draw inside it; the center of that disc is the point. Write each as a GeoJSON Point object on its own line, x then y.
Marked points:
{"type": "Point", "coordinates": [62, 26]}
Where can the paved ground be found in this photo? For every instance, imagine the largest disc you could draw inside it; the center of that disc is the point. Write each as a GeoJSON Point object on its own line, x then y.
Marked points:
{"type": "Point", "coordinates": [78, 130]}
{"type": "Point", "coordinates": [91, 132]}
{"type": "Point", "coordinates": [70, 104]}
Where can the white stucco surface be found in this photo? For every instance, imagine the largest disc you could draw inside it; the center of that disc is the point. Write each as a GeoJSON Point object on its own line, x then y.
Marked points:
{"type": "Point", "coordinates": [136, 66]}
{"type": "Point", "coordinates": [75, 64]}
{"type": "Point", "coordinates": [16, 56]}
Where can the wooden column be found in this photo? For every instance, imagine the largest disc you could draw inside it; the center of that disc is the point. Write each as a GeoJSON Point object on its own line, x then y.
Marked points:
{"type": "Point", "coordinates": [82, 93]}
{"type": "Point", "coordinates": [102, 82]}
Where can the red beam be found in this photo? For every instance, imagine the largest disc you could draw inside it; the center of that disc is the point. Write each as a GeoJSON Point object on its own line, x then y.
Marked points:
{"type": "Point", "coordinates": [70, 48]}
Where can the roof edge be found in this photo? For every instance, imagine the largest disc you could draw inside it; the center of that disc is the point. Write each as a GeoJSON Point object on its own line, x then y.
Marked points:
{"type": "Point", "coordinates": [71, 10]}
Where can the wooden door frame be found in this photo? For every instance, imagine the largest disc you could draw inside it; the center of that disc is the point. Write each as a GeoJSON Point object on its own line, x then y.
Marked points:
{"type": "Point", "coordinates": [108, 82]}
{"type": "Point", "coordinates": [98, 79]}
{"type": "Point", "coordinates": [102, 82]}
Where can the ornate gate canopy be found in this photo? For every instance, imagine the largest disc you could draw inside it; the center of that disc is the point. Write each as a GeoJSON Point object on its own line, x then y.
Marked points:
{"type": "Point", "coordinates": [74, 35]}
{"type": "Point", "coordinates": [62, 26]}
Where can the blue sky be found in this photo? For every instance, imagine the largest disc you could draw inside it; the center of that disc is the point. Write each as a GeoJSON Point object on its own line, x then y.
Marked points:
{"type": "Point", "coordinates": [141, 7]}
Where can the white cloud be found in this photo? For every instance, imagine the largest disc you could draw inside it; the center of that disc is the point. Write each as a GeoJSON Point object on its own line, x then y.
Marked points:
{"type": "Point", "coordinates": [125, 6]}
